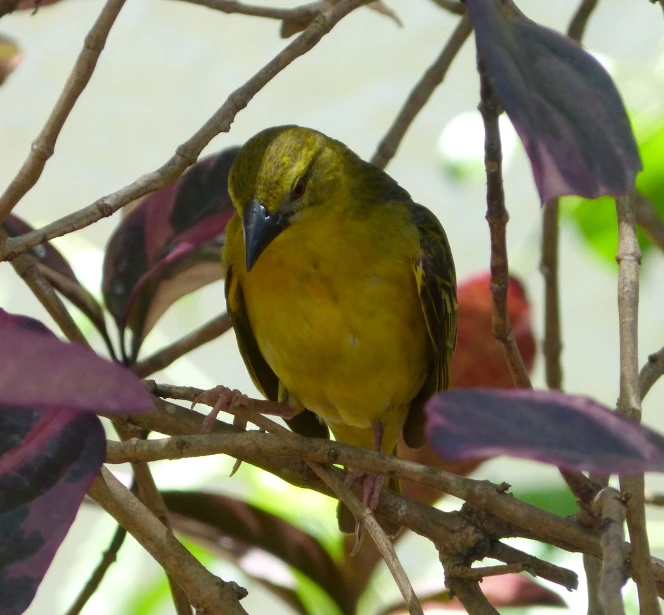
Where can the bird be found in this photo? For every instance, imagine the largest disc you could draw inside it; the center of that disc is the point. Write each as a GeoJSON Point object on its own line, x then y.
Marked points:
{"type": "Point", "coordinates": [341, 291]}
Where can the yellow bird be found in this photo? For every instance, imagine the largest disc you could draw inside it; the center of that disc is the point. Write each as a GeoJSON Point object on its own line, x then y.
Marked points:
{"type": "Point", "coordinates": [341, 290]}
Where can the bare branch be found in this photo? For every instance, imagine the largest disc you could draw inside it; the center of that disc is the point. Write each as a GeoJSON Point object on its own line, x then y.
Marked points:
{"type": "Point", "coordinates": [535, 566]}
{"type": "Point", "coordinates": [150, 496]}
{"type": "Point", "coordinates": [577, 26]}
{"type": "Point", "coordinates": [207, 592]}
{"type": "Point", "coordinates": [44, 145]}
{"type": "Point", "coordinates": [365, 517]}
{"type": "Point", "coordinates": [470, 595]}
{"type": "Point", "coordinates": [477, 574]}
{"type": "Point", "coordinates": [453, 6]}
{"type": "Point", "coordinates": [652, 371]}
{"type": "Point", "coordinates": [193, 340]}
{"type": "Point", "coordinates": [654, 499]}
{"type": "Point", "coordinates": [497, 217]}
{"type": "Point", "coordinates": [26, 266]}
{"type": "Point", "coordinates": [648, 218]}
{"type": "Point", "coordinates": [629, 401]}
{"type": "Point", "coordinates": [300, 14]}
{"type": "Point", "coordinates": [421, 93]}
{"type": "Point", "coordinates": [552, 346]}
{"type": "Point", "coordinates": [109, 557]}
{"type": "Point", "coordinates": [187, 153]}
{"type": "Point", "coordinates": [282, 456]}
{"type": "Point", "coordinates": [612, 509]}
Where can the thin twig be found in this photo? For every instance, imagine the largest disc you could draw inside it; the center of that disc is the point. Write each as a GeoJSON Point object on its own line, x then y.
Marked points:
{"type": "Point", "coordinates": [453, 6]}
{"type": "Point", "coordinates": [193, 340]}
{"type": "Point", "coordinates": [365, 517]}
{"type": "Point", "coordinates": [629, 401]}
{"type": "Point", "coordinates": [26, 266]}
{"type": "Point", "coordinates": [654, 499]}
{"type": "Point", "coordinates": [187, 153]}
{"type": "Point", "coordinates": [552, 346]}
{"type": "Point", "coordinates": [497, 217]}
{"type": "Point", "coordinates": [109, 557]}
{"type": "Point", "coordinates": [44, 145]}
{"type": "Point", "coordinates": [577, 26]}
{"type": "Point", "coordinates": [150, 496]}
{"type": "Point", "coordinates": [535, 566]}
{"type": "Point", "coordinates": [299, 14]}
{"type": "Point", "coordinates": [593, 569]}
{"type": "Point", "coordinates": [362, 515]}
{"type": "Point", "coordinates": [609, 505]}
{"type": "Point", "coordinates": [651, 372]}
{"type": "Point", "coordinates": [282, 457]}
{"type": "Point", "coordinates": [470, 595]}
{"type": "Point", "coordinates": [421, 93]}
{"type": "Point", "coordinates": [206, 591]}
{"type": "Point", "coordinates": [477, 574]}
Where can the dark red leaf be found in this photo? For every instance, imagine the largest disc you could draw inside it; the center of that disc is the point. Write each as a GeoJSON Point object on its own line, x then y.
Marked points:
{"type": "Point", "coordinates": [39, 371]}
{"type": "Point", "coordinates": [241, 529]}
{"type": "Point", "coordinates": [47, 463]}
{"type": "Point", "coordinates": [569, 431]}
{"type": "Point", "coordinates": [562, 103]}
{"type": "Point", "coordinates": [168, 246]}
{"type": "Point", "coordinates": [509, 590]}
{"type": "Point", "coordinates": [59, 273]}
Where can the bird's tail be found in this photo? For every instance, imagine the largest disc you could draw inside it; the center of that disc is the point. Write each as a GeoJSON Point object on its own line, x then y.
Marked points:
{"type": "Point", "coordinates": [347, 523]}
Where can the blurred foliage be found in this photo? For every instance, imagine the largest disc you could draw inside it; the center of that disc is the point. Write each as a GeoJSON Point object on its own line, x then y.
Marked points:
{"type": "Point", "coordinates": [596, 219]}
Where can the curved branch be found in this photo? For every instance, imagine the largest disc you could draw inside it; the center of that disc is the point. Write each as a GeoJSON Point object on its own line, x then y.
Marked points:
{"type": "Point", "coordinates": [421, 93]}
{"type": "Point", "coordinates": [44, 145]}
{"type": "Point", "coordinates": [187, 153]}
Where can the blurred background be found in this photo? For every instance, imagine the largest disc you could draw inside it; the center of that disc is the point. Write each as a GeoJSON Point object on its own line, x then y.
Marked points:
{"type": "Point", "coordinates": [166, 68]}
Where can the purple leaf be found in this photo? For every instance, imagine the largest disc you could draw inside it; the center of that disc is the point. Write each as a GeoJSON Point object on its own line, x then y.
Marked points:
{"type": "Point", "coordinates": [39, 371]}
{"type": "Point", "coordinates": [168, 246]}
{"type": "Point", "coordinates": [248, 533]}
{"type": "Point", "coordinates": [569, 431]}
{"type": "Point", "coordinates": [562, 103]}
{"type": "Point", "coordinates": [59, 273]}
{"type": "Point", "coordinates": [47, 463]}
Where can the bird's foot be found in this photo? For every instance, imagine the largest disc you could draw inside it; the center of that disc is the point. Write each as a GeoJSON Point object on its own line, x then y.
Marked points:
{"type": "Point", "coordinates": [371, 487]}
{"type": "Point", "coordinates": [221, 398]}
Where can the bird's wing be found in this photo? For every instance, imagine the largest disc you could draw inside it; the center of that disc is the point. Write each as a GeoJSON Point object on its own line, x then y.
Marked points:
{"type": "Point", "coordinates": [436, 283]}
{"type": "Point", "coordinates": [305, 423]}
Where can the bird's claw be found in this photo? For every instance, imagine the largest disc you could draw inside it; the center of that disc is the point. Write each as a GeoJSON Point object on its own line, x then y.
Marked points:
{"type": "Point", "coordinates": [220, 398]}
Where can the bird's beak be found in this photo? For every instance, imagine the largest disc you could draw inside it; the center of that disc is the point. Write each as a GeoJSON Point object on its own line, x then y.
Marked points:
{"type": "Point", "coordinates": [260, 228]}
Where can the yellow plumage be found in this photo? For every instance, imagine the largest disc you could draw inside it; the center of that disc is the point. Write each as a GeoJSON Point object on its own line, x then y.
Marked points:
{"type": "Point", "coordinates": [348, 308]}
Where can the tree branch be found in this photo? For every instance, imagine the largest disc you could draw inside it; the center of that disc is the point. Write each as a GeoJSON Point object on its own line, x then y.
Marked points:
{"type": "Point", "coordinates": [497, 217]}
{"type": "Point", "coordinates": [300, 14]}
{"type": "Point", "coordinates": [26, 266]}
{"type": "Point", "coordinates": [187, 153]}
{"type": "Point", "coordinates": [470, 595]}
{"type": "Point", "coordinates": [193, 340]}
{"type": "Point", "coordinates": [109, 557]}
{"type": "Point", "coordinates": [652, 371]}
{"type": "Point", "coordinates": [44, 145]}
{"type": "Point", "coordinates": [280, 457]}
{"type": "Point", "coordinates": [577, 26]}
{"type": "Point", "coordinates": [207, 592]}
{"type": "Point", "coordinates": [612, 509]}
{"type": "Point", "coordinates": [421, 93]}
{"type": "Point", "coordinates": [629, 401]}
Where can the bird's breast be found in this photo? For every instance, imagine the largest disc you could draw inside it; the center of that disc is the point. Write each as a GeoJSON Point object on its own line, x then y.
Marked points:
{"type": "Point", "coordinates": [340, 323]}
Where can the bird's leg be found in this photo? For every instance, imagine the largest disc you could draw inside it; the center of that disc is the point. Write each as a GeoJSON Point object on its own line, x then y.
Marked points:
{"type": "Point", "coordinates": [373, 483]}
{"type": "Point", "coordinates": [222, 398]}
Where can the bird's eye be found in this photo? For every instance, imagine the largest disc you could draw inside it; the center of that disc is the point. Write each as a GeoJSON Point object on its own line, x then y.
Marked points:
{"type": "Point", "coordinates": [298, 188]}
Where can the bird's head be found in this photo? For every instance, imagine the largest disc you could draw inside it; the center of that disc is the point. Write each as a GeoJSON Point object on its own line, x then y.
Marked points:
{"type": "Point", "coordinates": [277, 176]}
